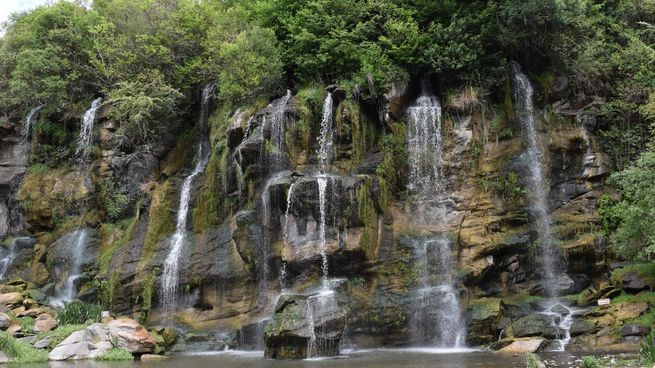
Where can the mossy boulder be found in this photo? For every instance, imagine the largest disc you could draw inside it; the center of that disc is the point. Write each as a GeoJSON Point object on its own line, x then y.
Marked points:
{"type": "Point", "coordinates": [483, 319]}
{"type": "Point", "coordinates": [305, 326]}
{"type": "Point", "coordinates": [533, 325]}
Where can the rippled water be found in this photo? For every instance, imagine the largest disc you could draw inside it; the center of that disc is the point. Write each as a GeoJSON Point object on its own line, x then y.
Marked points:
{"type": "Point", "coordinates": [415, 358]}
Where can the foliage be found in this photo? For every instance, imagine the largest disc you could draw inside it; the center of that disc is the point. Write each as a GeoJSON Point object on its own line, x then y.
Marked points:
{"type": "Point", "coordinates": [628, 221]}
{"type": "Point", "coordinates": [146, 108]}
{"type": "Point", "coordinates": [647, 350]}
{"type": "Point", "coordinates": [39, 169]}
{"type": "Point", "coordinates": [77, 312]}
{"type": "Point", "coordinates": [590, 362]}
{"type": "Point", "coordinates": [115, 354]}
{"type": "Point", "coordinates": [27, 324]}
{"type": "Point", "coordinates": [508, 187]}
{"type": "Point", "coordinates": [116, 200]}
{"type": "Point", "coordinates": [532, 360]}
{"type": "Point", "coordinates": [19, 351]}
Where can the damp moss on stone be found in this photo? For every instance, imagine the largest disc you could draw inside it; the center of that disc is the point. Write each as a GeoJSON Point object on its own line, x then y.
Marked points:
{"type": "Point", "coordinates": [161, 221]}
{"type": "Point", "coordinates": [177, 157]}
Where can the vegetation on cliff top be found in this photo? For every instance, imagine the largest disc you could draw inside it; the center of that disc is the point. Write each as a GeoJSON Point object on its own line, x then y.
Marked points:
{"type": "Point", "coordinates": [149, 59]}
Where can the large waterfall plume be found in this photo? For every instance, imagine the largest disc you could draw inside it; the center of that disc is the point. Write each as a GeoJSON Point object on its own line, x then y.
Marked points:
{"type": "Point", "coordinates": [436, 319]}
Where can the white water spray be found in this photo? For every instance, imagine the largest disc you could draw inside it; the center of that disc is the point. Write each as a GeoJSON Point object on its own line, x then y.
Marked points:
{"type": "Point", "coordinates": [85, 139]}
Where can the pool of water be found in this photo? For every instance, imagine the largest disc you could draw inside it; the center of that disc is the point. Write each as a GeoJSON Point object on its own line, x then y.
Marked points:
{"type": "Point", "coordinates": [377, 358]}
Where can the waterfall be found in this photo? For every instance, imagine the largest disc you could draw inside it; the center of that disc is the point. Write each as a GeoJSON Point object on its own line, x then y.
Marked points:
{"type": "Point", "coordinates": [537, 183]}
{"type": "Point", "coordinates": [277, 131]}
{"type": "Point", "coordinates": [30, 122]}
{"type": "Point", "coordinates": [86, 130]}
{"type": "Point", "coordinates": [322, 182]}
{"type": "Point", "coordinates": [67, 292]}
{"type": "Point", "coordinates": [324, 157]}
{"type": "Point", "coordinates": [436, 318]}
{"type": "Point", "coordinates": [424, 147]}
{"type": "Point", "coordinates": [170, 277]}
{"type": "Point", "coordinates": [325, 138]}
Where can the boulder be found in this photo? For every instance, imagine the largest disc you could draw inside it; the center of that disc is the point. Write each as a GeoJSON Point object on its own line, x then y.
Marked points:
{"type": "Point", "coordinates": [582, 327]}
{"type": "Point", "coordinates": [5, 321]}
{"type": "Point", "coordinates": [128, 334]}
{"type": "Point", "coordinates": [635, 330]}
{"type": "Point", "coordinates": [524, 346]}
{"type": "Point", "coordinates": [9, 299]}
{"type": "Point", "coordinates": [632, 282]}
{"type": "Point", "coordinates": [44, 322]}
{"type": "Point", "coordinates": [95, 340]}
{"type": "Point", "coordinates": [305, 326]}
{"type": "Point", "coordinates": [152, 357]}
{"type": "Point", "coordinates": [483, 317]}
{"type": "Point", "coordinates": [532, 325]}
{"type": "Point", "coordinates": [87, 343]}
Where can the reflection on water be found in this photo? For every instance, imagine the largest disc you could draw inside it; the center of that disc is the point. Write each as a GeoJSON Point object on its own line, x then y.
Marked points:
{"type": "Point", "coordinates": [421, 358]}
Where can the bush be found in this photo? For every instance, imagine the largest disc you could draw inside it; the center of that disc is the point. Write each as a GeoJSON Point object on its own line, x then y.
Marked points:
{"type": "Point", "coordinates": [27, 324]}
{"type": "Point", "coordinates": [146, 108]}
{"type": "Point", "coordinates": [79, 313]}
{"type": "Point", "coordinates": [19, 351]}
{"type": "Point", "coordinates": [647, 351]}
{"type": "Point", "coordinates": [590, 362]}
{"type": "Point", "coordinates": [116, 355]}
{"type": "Point", "coordinates": [532, 361]}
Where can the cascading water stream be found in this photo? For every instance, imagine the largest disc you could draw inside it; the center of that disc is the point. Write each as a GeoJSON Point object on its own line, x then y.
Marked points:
{"type": "Point", "coordinates": [537, 182]}
{"type": "Point", "coordinates": [85, 139]}
{"type": "Point", "coordinates": [170, 277]}
{"type": "Point", "coordinates": [539, 209]}
{"type": "Point", "coordinates": [324, 159]}
{"type": "Point", "coordinates": [67, 292]}
{"type": "Point", "coordinates": [436, 318]}
{"type": "Point", "coordinates": [30, 122]}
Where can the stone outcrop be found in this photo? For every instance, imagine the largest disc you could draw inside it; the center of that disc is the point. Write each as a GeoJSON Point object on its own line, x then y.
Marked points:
{"type": "Point", "coordinates": [95, 340]}
{"type": "Point", "coordinates": [305, 326]}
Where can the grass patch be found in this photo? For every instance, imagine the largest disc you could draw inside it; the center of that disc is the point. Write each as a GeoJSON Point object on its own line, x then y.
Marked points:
{"type": "Point", "coordinates": [532, 361]}
{"type": "Point", "coordinates": [39, 169]}
{"type": "Point", "coordinates": [590, 362]}
{"type": "Point", "coordinates": [79, 313]}
{"type": "Point", "coordinates": [116, 355]}
{"type": "Point", "coordinates": [59, 334]}
{"type": "Point", "coordinates": [21, 352]}
{"type": "Point", "coordinates": [27, 324]}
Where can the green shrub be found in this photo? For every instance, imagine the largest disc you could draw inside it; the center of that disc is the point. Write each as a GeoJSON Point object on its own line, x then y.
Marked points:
{"type": "Point", "coordinates": [647, 350]}
{"type": "Point", "coordinates": [79, 313]}
{"type": "Point", "coordinates": [27, 324]}
{"type": "Point", "coordinates": [116, 355]}
{"type": "Point", "coordinates": [532, 361]}
{"type": "Point", "coordinates": [19, 351]}
{"type": "Point", "coordinates": [39, 169]}
{"type": "Point", "coordinates": [590, 362]}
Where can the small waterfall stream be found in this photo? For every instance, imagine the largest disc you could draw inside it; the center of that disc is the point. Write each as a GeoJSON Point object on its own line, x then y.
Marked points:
{"type": "Point", "coordinates": [67, 293]}
{"type": "Point", "coordinates": [549, 256]}
{"type": "Point", "coordinates": [436, 319]}
{"type": "Point", "coordinates": [30, 122]}
{"type": "Point", "coordinates": [85, 140]}
{"type": "Point", "coordinates": [325, 141]}
{"type": "Point", "coordinates": [170, 277]}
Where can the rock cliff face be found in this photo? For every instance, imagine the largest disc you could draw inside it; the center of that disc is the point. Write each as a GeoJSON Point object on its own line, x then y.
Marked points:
{"type": "Point", "coordinates": [260, 207]}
